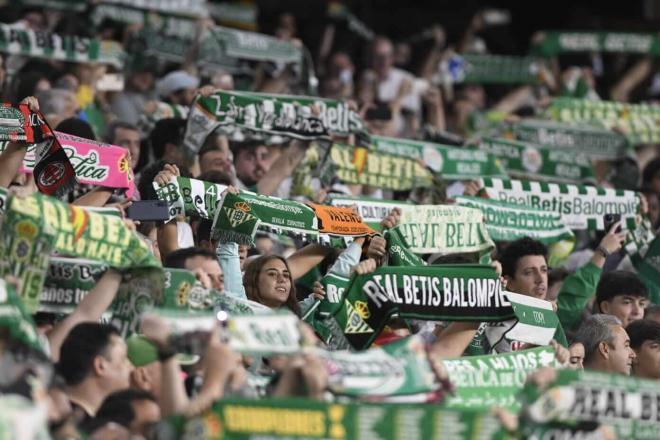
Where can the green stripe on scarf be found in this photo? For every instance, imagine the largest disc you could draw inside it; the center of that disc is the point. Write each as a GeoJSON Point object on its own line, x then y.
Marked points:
{"type": "Point", "coordinates": [398, 368]}
{"type": "Point", "coordinates": [490, 69]}
{"type": "Point", "coordinates": [382, 170]}
{"type": "Point", "coordinates": [308, 418]}
{"type": "Point", "coordinates": [267, 115]}
{"type": "Point", "coordinates": [398, 251]}
{"type": "Point", "coordinates": [445, 229]}
{"type": "Point", "coordinates": [50, 46]}
{"type": "Point", "coordinates": [535, 161]}
{"type": "Point", "coordinates": [509, 222]}
{"type": "Point", "coordinates": [638, 122]}
{"type": "Point", "coordinates": [581, 207]}
{"type": "Point", "coordinates": [626, 404]}
{"type": "Point", "coordinates": [596, 143]}
{"type": "Point", "coordinates": [36, 224]}
{"type": "Point", "coordinates": [191, 197]}
{"type": "Point", "coordinates": [484, 382]}
{"type": "Point", "coordinates": [452, 163]}
{"type": "Point", "coordinates": [451, 293]}
{"type": "Point", "coordinates": [239, 217]}
{"type": "Point", "coordinates": [15, 317]}
{"type": "Point", "coordinates": [555, 43]}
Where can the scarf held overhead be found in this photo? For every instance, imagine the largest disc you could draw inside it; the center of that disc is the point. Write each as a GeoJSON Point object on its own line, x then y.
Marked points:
{"type": "Point", "coordinates": [580, 207]}
{"type": "Point", "coordinates": [453, 163]}
{"type": "Point", "coordinates": [452, 293]}
{"type": "Point", "coordinates": [508, 221]}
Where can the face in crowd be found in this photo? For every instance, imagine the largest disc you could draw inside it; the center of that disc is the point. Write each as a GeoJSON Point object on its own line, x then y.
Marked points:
{"type": "Point", "coordinates": [530, 277]}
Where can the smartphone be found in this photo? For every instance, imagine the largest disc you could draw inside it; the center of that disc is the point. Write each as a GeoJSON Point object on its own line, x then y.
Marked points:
{"type": "Point", "coordinates": [148, 210]}
{"type": "Point", "coordinates": [110, 82]}
{"type": "Point", "coordinates": [609, 220]}
{"type": "Point", "coordinates": [381, 112]}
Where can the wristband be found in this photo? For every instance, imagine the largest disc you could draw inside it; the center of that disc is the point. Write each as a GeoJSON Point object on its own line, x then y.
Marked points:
{"type": "Point", "coordinates": [603, 251]}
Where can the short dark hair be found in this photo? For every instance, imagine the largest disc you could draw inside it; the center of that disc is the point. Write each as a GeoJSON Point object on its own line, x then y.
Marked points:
{"type": "Point", "coordinates": [518, 249]}
{"type": "Point", "coordinates": [116, 125]}
{"type": "Point", "coordinates": [238, 146]}
{"type": "Point", "coordinates": [80, 347]}
{"type": "Point", "coordinates": [215, 176]}
{"type": "Point", "coordinates": [643, 330]}
{"type": "Point", "coordinates": [619, 282]}
{"type": "Point", "coordinates": [76, 127]}
{"type": "Point", "coordinates": [166, 131]}
{"type": "Point", "coordinates": [177, 259]}
{"type": "Point", "coordinates": [210, 144]}
{"type": "Point", "coordinates": [118, 406]}
{"type": "Point", "coordinates": [145, 185]}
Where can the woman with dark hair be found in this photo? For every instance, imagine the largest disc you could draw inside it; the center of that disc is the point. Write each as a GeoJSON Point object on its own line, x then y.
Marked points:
{"type": "Point", "coordinates": [268, 281]}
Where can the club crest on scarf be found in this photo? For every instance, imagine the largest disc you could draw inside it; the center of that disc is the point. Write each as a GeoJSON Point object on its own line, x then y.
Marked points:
{"type": "Point", "coordinates": [239, 214]}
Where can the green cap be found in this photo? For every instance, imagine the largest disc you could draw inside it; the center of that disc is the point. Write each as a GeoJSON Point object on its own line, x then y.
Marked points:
{"type": "Point", "coordinates": [141, 352]}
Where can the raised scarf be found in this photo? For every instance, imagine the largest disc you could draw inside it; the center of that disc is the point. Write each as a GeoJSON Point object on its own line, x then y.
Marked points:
{"type": "Point", "coordinates": [580, 207]}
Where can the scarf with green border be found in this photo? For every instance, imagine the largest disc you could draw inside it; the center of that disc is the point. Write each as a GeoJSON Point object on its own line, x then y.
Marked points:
{"type": "Point", "coordinates": [371, 210]}
{"type": "Point", "coordinates": [37, 224]}
{"type": "Point", "coordinates": [638, 122]}
{"type": "Point", "coordinates": [509, 222]}
{"type": "Point", "coordinates": [538, 162]}
{"type": "Point", "coordinates": [16, 318]}
{"type": "Point", "coordinates": [74, 49]}
{"type": "Point", "coordinates": [555, 43]}
{"type": "Point", "coordinates": [289, 116]}
{"type": "Point", "coordinates": [308, 418]}
{"type": "Point", "coordinates": [452, 163]}
{"type": "Point", "coordinates": [450, 292]}
{"type": "Point", "coordinates": [356, 165]}
{"type": "Point", "coordinates": [484, 382]}
{"type": "Point", "coordinates": [445, 229]}
{"type": "Point", "coordinates": [594, 142]}
{"type": "Point", "coordinates": [190, 197]}
{"type": "Point", "coordinates": [581, 207]}
{"type": "Point", "coordinates": [581, 398]}
{"type": "Point", "coordinates": [490, 69]}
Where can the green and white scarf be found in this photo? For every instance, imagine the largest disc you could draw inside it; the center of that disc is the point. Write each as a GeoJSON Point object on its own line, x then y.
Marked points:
{"type": "Point", "coordinates": [485, 382]}
{"type": "Point", "coordinates": [446, 229]}
{"type": "Point", "coordinates": [398, 250]}
{"type": "Point", "coordinates": [190, 197]}
{"type": "Point", "coordinates": [292, 418]}
{"type": "Point", "coordinates": [452, 163]}
{"type": "Point", "coordinates": [535, 161]}
{"type": "Point", "coordinates": [235, 15]}
{"type": "Point", "coordinates": [338, 11]}
{"type": "Point", "coordinates": [536, 320]}
{"type": "Point", "coordinates": [276, 333]}
{"type": "Point", "coordinates": [509, 222]}
{"type": "Point", "coordinates": [163, 110]}
{"type": "Point", "coordinates": [160, 22]}
{"type": "Point", "coordinates": [64, 5]}
{"type": "Point", "coordinates": [627, 404]}
{"type": "Point", "coordinates": [374, 168]}
{"type": "Point", "coordinates": [490, 69]}
{"type": "Point", "coordinates": [225, 42]}
{"type": "Point", "coordinates": [190, 8]}
{"type": "Point", "coordinates": [37, 44]}
{"type": "Point", "coordinates": [638, 122]}
{"type": "Point", "coordinates": [556, 43]}
{"type": "Point", "coordinates": [35, 225]}
{"type": "Point", "coordinates": [239, 217]}
{"type": "Point", "coordinates": [450, 293]}
{"type": "Point", "coordinates": [68, 281]}
{"type": "Point", "coordinates": [267, 115]}
{"type": "Point", "coordinates": [596, 143]}
{"type": "Point", "coordinates": [15, 317]}
{"type": "Point", "coordinates": [393, 369]}
{"type": "Point", "coordinates": [581, 207]}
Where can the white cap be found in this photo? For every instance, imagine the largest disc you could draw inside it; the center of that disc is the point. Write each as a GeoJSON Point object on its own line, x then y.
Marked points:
{"type": "Point", "coordinates": [177, 80]}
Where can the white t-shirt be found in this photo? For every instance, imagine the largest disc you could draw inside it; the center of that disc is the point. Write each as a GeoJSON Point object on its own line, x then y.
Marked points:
{"type": "Point", "coordinates": [389, 87]}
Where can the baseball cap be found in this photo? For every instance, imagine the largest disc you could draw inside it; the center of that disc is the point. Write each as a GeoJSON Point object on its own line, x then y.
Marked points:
{"type": "Point", "coordinates": [177, 80]}
{"type": "Point", "coordinates": [141, 352]}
